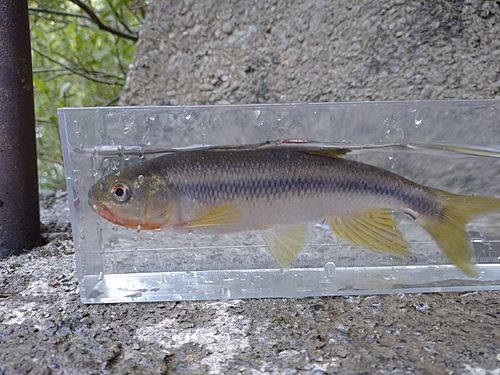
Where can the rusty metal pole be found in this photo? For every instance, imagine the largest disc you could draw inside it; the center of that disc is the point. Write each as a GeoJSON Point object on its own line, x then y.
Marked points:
{"type": "Point", "coordinates": [19, 205]}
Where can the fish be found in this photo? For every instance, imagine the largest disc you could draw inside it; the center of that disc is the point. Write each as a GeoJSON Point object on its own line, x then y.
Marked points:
{"type": "Point", "coordinates": [277, 189]}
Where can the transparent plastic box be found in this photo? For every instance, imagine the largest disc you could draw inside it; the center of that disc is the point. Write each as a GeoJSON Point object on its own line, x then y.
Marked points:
{"type": "Point", "coordinates": [449, 145]}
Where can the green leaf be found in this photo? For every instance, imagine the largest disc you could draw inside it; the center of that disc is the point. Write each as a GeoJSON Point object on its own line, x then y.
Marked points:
{"type": "Point", "coordinates": [79, 41]}
{"type": "Point", "coordinates": [39, 83]}
{"type": "Point", "coordinates": [120, 3]}
{"type": "Point", "coordinates": [90, 54]}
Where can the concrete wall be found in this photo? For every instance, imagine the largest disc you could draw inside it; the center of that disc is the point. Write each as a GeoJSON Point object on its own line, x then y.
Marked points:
{"type": "Point", "coordinates": [213, 52]}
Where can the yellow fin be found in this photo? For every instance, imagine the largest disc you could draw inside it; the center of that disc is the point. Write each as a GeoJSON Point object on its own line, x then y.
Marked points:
{"type": "Point", "coordinates": [374, 230]}
{"type": "Point", "coordinates": [331, 153]}
{"type": "Point", "coordinates": [284, 242]}
{"type": "Point", "coordinates": [225, 213]}
{"type": "Point", "coordinates": [448, 229]}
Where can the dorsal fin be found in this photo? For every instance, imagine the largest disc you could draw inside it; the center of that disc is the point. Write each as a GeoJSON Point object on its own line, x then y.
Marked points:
{"type": "Point", "coordinates": [331, 152]}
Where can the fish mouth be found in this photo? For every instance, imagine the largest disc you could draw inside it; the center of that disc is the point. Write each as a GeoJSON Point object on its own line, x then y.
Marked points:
{"type": "Point", "coordinates": [107, 214]}
{"type": "Point", "coordinates": [103, 211]}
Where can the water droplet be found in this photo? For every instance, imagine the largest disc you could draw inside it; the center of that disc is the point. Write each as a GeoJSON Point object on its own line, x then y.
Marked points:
{"type": "Point", "coordinates": [225, 293]}
{"type": "Point", "coordinates": [105, 163]}
{"type": "Point", "coordinates": [136, 238]}
{"type": "Point", "coordinates": [250, 240]}
{"type": "Point", "coordinates": [127, 157]}
{"type": "Point", "coordinates": [114, 227]}
{"type": "Point", "coordinates": [401, 133]}
{"type": "Point", "coordinates": [150, 235]}
{"type": "Point", "coordinates": [82, 234]}
{"type": "Point", "coordinates": [188, 116]}
{"type": "Point", "coordinates": [146, 140]}
{"type": "Point", "coordinates": [76, 202]}
{"type": "Point", "coordinates": [282, 132]}
{"type": "Point", "coordinates": [256, 113]}
{"type": "Point", "coordinates": [140, 179]}
{"type": "Point", "coordinates": [140, 152]}
{"type": "Point", "coordinates": [149, 121]}
{"type": "Point", "coordinates": [121, 150]}
{"type": "Point", "coordinates": [126, 130]}
{"type": "Point", "coordinates": [139, 228]}
{"type": "Point", "coordinates": [165, 280]}
{"type": "Point", "coordinates": [101, 276]}
{"type": "Point", "coordinates": [78, 134]}
{"type": "Point", "coordinates": [330, 269]}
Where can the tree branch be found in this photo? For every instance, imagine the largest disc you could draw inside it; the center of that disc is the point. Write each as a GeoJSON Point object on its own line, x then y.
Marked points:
{"type": "Point", "coordinates": [100, 24]}
{"type": "Point", "coordinates": [73, 70]}
{"type": "Point", "coordinates": [49, 160]}
{"type": "Point", "coordinates": [59, 12]}
{"type": "Point", "coordinates": [95, 73]}
{"type": "Point", "coordinates": [43, 120]}
{"type": "Point", "coordinates": [48, 70]}
{"type": "Point", "coordinates": [119, 17]}
{"type": "Point", "coordinates": [109, 102]}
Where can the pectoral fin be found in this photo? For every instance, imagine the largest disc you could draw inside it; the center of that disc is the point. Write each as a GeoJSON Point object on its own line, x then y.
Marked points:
{"type": "Point", "coordinates": [374, 230]}
{"type": "Point", "coordinates": [284, 242]}
{"type": "Point", "coordinates": [225, 213]}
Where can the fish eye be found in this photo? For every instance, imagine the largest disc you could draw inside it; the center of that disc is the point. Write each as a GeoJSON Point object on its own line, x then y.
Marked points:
{"type": "Point", "coordinates": [121, 192]}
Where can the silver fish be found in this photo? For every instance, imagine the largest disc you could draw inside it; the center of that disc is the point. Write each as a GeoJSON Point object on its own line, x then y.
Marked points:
{"type": "Point", "coordinates": [277, 189]}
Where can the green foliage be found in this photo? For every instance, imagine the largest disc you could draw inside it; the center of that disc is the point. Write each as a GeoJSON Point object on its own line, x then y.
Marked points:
{"type": "Point", "coordinates": [81, 50]}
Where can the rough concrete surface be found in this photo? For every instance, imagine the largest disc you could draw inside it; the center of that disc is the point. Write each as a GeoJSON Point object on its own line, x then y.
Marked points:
{"type": "Point", "coordinates": [269, 51]}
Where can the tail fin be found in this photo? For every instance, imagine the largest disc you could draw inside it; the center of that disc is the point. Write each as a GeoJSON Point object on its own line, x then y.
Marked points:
{"type": "Point", "coordinates": [448, 230]}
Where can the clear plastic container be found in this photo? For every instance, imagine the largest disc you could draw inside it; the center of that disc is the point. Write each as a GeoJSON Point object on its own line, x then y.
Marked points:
{"type": "Point", "coordinates": [450, 145]}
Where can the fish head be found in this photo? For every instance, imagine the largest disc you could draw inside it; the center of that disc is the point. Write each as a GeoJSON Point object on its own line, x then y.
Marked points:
{"type": "Point", "coordinates": [133, 199]}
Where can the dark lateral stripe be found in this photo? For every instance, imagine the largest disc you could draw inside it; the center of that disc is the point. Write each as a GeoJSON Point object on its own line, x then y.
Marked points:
{"type": "Point", "coordinates": [269, 188]}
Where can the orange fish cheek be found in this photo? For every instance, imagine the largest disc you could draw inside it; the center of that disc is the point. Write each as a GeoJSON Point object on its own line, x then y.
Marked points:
{"type": "Point", "coordinates": [125, 221]}
{"type": "Point", "coordinates": [108, 214]}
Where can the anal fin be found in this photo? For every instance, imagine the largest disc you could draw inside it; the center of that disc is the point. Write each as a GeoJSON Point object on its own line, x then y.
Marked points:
{"type": "Point", "coordinates": [374, 230]}
{"type": "Point", "coordinates": [284, 242]}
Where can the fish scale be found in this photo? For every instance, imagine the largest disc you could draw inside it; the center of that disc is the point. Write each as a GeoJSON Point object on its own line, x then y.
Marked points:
{"type": "Point", "coordinates": [275, 174]}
